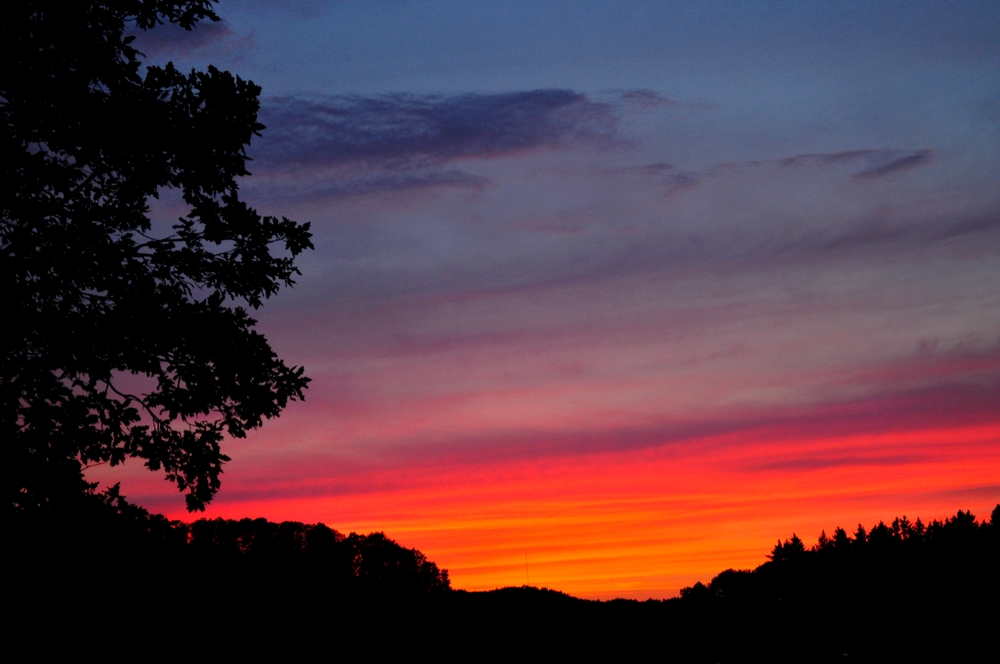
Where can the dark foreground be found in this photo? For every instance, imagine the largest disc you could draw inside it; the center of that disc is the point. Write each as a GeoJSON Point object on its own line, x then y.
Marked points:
{"type": "Point", "coordinates": [123, 583]}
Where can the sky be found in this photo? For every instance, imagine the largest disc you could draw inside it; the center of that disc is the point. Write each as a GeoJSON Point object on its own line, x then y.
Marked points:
{"type": "Point", "coordinates": [609, 296]}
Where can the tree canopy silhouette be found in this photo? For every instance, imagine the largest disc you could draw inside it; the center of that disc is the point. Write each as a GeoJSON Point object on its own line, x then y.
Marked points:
{"type": "Point", "coordinates": [121, 338]}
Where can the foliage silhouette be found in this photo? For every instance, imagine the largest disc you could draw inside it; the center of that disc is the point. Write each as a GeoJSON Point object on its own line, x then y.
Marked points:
{"type": "Point", "coordinates": [124, 337]}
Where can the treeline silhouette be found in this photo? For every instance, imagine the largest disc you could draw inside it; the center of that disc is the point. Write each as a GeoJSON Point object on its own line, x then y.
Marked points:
{"type": "Point", "coordinates": [890, 591]}
{"type": "Point", "coordinates": [255, 555]}
{"type": "Point", "coordinates": [903, 590]}
{"type": "Point", "coordinates": [938, 554]}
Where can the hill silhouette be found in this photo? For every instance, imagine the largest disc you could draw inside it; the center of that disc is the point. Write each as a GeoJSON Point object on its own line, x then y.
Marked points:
{"type": "Point", "coordinates": [906, 590]}
{"type": "Point", "coordinates": [903, 590]}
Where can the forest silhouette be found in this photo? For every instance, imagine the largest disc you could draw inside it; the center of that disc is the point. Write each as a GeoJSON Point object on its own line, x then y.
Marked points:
{"type": "Point", "coordinates": [893, 591]}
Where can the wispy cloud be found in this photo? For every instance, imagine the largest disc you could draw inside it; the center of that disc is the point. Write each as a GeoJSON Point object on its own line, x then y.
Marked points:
{"type": "Point", "coordinates": [896, 164]}
{"type": "Point", "coordinates": [859, 164]}
{"type": "Point", "coordinates": [804, 438]}
{"type": "Point", "coordinates": [303, 8]}
{"type": "Point", "coordinates": [206, 38]}
{"type": "Point", "coordinates": [645, 99]}
{"type": "Point", "coordinates": [347, 145]}
{"type": "Point", "coordinates": [409, 131]}
{"type": "Point", "coordinates": [293, 189]}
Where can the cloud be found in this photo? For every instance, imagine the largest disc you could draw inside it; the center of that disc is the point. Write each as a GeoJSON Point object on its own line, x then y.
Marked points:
{"type": "Point", "coordinates": [982, 492]}
{"type": "Point", "coordinates": [170, 40]}
{"type": "Point", "coordinates": [859, 164]}
{"type": "Point", "coordinates": [657, 168]}
{"type": "Point", "coordinates": [872, 163]}
{"type": "Point", "coordinates": [821, 462]}
{"type": "Point", "coordinates": [380, 183]}
{"type": "Point", "coordinates": [304, 8]}
{"type": "Point", "coordinates": [645, 99]}
{"type": "Point", "coordinates": [561, 221]}
{"type": "Point", "coordinates": [811, 438]}
{"type": "Point", "coordinates": [802, 206]}
{"type": "Point", "coordinates": [870, 235]}
{"type": "Point", "coordinates": [405, 132]}
{"type": "Point", "coordinates": [897, 164]}
{"type": "Point", "coordinates": [326, 147]}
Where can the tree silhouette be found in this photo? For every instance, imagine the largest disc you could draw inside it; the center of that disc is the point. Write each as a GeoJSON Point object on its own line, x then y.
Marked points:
{"type": "Point", "coordinates": [841, 540]}
{"type": "Point", "coordinates": [790, 549]}
{"type": "Point", "coordinates": [824, 600]}
{"type": "Point", "coordinates": [123, 338]}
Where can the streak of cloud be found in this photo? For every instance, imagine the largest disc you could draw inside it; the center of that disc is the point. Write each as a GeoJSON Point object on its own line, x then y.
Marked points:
{"type": "Point", "coordinates": [297, 8]}
{"type": "Point", "coordinates": [207, 38]}
{"type": "Point", "coordinates": [408, 131]}
{"type": "Point", "coordinates": [337, 146]}
{"type": "Point", "coordinates": [902, 163]}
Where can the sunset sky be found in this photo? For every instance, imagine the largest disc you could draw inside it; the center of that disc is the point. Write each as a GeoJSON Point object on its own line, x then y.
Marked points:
{"type": "Point", "coordinates": [628, 290]}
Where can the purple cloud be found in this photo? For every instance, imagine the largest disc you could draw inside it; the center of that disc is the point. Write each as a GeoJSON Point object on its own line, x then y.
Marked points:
{"type": "Point", "coordinates": [171, 40]}
{"type": "Point", "coordinates": [307, 8]}
{"type": "Point", "coordinates": [379, 183]}
{"type": "Point", "coordinates": [646, 99]}
{"type": "Point", "coordinates": [331, 472]}
{"type": "Point", "coordinates": [409, 131]}
{"type": "Point", "coordinates": [897, 164]}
